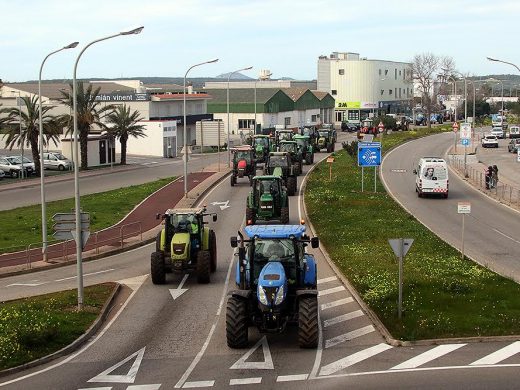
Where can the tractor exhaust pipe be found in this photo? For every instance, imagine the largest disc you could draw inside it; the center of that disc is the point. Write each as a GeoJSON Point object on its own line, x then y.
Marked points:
{"type": "Point", "coordinates": [242, 260]}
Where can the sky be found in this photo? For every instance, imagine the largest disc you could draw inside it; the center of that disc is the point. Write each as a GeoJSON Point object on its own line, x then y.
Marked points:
{"type": "Point", "coordinates": [284, 36]}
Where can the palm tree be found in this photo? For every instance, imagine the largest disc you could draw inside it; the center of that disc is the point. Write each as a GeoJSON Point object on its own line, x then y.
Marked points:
{"type": "Point", "coordinates": [89, 113]}
{"type": "Point", "coordinates": [122, 124]}
{"type": "Point", "coordinates": [30, 133]}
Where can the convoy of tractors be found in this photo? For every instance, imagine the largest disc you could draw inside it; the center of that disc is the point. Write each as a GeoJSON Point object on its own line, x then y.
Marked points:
{"type": "Point", "coordinates": [276, 279]}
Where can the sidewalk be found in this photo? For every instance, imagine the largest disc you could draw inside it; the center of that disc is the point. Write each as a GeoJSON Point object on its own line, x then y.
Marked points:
{"type": "Point", "coordinates": [138, 227]}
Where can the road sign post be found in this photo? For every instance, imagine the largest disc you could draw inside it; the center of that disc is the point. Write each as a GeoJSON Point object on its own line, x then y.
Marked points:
{"type": "Point", "coordinates": [465, 136]}
{"type": "Point", "coordinates": [455, 127]}
{"type": "Point", "coordinates": [369, 155]}
{"type": "Point", "coordinates": [463, 208]}
{"type": "Point", "coordinates": [330, 160]}
{"type": "Point", "coordinates": [400, 246]}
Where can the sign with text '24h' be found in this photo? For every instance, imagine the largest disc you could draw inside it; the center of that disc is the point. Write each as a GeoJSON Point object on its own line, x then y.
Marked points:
{"type": "Point", "coordinates": [369, 154]}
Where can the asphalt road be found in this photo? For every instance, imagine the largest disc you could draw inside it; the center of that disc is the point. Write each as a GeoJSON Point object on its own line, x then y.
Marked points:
{"type": "Point", "coordinates": [156, 341]}
{"type": "Point", "coordinates": [492, 230]}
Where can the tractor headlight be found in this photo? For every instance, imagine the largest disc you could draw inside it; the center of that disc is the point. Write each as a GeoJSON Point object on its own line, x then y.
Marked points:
{"type": "Point", "coordinates": [279, 296]}
{"type": "Point", "coordinates": [262, 297]}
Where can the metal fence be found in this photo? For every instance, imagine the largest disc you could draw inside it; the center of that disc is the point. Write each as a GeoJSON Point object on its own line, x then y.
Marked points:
{"type": "Point", "coordinates": [501, 191]}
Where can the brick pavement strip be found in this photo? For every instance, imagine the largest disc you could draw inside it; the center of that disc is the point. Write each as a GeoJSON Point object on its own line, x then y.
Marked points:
{"type": "Point", "coordinates": [125, 234]}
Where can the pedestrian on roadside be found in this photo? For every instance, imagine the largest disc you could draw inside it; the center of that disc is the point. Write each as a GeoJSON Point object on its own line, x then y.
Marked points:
{"type": "Point", "coordinates": [489, 177]}
{"type": "Point", "coordinates": [495, 175]}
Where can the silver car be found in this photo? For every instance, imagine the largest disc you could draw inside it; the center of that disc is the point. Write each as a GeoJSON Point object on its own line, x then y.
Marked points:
{"type": "Point", "coordinates": [56, 160]}
{"type": "Point", "coordinates": [12, 166]}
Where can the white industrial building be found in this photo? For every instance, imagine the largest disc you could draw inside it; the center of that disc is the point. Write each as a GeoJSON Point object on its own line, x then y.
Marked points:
{"type": "Point", "coordinates": [363, 86]}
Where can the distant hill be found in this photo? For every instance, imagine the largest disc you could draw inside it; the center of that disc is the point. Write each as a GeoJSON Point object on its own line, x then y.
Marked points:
{"type": "Point", "coordinates": [236, 76]}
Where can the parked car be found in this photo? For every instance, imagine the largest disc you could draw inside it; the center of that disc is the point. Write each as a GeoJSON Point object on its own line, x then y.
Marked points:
{"type": "Point", "coordinates": [513, 145]}
{"type": "Point", "coordinates": [350, 127]}
{"type": "Point", "coordinates": [498, 132]}
{"type": "Point", "coordinates": [2, 174]}
{"type": "Point", "coordinates": [56, 160]}
{"type": "Point", "coordinates": [12, 166]}
{"type": "Point", "coordinates": [514, 132]}
{"type": "Point", "coordinates": [489, 141]}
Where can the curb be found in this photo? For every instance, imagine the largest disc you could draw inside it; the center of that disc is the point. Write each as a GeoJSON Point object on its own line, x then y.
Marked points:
{"type": "Point", "coordinates": [76, 343]}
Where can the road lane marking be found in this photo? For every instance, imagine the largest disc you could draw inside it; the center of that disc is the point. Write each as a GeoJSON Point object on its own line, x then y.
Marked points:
{"type": "Point", "coordinates": [428, 356]}
{"type": "Point", "coordinates": [196, 384]}
{"type": "Point", "coordinates": [349, 336]}
{"type": "Point", "coordinates": [245, 381]}
{"type": "Point", "coordinates": [498, 356]}
{"type": "Point", "coordinates": [342, 318]}
{"type": "Point", "coordinates": [319, 350]}
{"type": "Point", "coordinates": [96, 388]}
{"type": "Point", "coordinates": [129, 377]}
{"type": "Point", "coordinates": [339, 302]}
{"type": "Point", "coordinates": [25, 284]}
{"type": "Point", "coordinates": [331, 291]}
{"type": "Point", "coordinates": [506, 236]}
{"type": "Point", "coordinates": [267, 364]}
{"type": "Point", "coordinates": [144, 387]}
{"type": "Point", "coordinates": [350, 360]}
{"type": "Point", "coordinates": [326, 280]}
{"type": "Point", "coordinates": [89, 274]}
{"type": "Point", "coordinates": [177, 292]}
{"type": "Point", "coordinates": [133, 283]}
{"type": "Point", "coordinates": [291, 378]}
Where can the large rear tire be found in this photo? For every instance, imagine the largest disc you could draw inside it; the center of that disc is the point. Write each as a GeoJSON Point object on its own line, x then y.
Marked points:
{"type": "Point", "coordinates": [213, 250]}
{"type": "Point", "coordinates": [236, 323]}
{"type": "Point", "coordinates": [203, 267]}
{"type": "Point", "coordinates": [291, 185]}
{"type": "Point", "coordinates": [284, 215]}
{"type": "Point", "coordinates": [308, 322]}
{"type": "Point", "coordinates": [158, 242]}
{"type": "Point", "coordinates": [233, 180]}
{"type": "Point", "coordinates": [157, 268]}
{"type": "Point", "coordinates": [298, 168]}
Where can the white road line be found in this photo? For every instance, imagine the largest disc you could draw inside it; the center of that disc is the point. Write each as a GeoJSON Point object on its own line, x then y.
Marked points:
{"type": "Point", "coordinates": [349, 336]}
{"type": "Point", "coordinates": [339, 302]}
{"type": "Point", "coordinates": [96, 388]}
{"type": "Point", "coordinates": [129, 377]}
{"type": "Point", "coordinates": [25, 284]}
{"type": "Point", "coordinates": [331, 291]}
{"type": "Point", "coordinates": [89, 274]}
{"type": "Point", "coordinates": [353, 359]}
{"type": "Point", "coordinates": [267, 364]}
{"type": "Point", "coordinates": [498, 356]}
{"type": "Point", "coordinates": [245, 381]}
{"type": "Point", "coordinates": [342, 318]}
{"type": "Point", "coordinates": [183, 281]}
{"type": "Point", "coordinates": [144, 387]}
{"type": "Point", "coordinates": [193, 385]}
{"type": "Point", "coordinates": [506, 236]}
{"type": "Point", "coordinates": [428, 356]}
{"type": "Point", "coordinates": [319, 350]}
{"type": "Point", "coordinates": [291, 378]}
{"type": "Point", "coordinates": [326, 280]}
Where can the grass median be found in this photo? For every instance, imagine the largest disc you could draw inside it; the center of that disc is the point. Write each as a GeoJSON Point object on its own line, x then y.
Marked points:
{"type": "Point", "coordinates": [443, 295]}
{"type": "Point", "coordinates": [31, 328]}
{"type": "Point", "coordinates": [22, 226]}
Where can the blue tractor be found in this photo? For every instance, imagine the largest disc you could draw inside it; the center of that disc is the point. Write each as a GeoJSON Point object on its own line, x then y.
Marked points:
{"type": "Point", "coordinates": [276, 283]}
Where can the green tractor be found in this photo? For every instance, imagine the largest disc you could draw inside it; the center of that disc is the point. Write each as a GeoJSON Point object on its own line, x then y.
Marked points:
{"type": "Point", "coordinates": [325, 140]}
{"type": "Point", "coordinates": [183, 244]}
{"type": "Point", "coordinates": [280, 164]}
{"type": "Point", "coordinates": [244, 163]}
{"type": "Point", "coordinates": [305, 147]}
{"type": "Point", "coordinates": [267, 200]}
{"type": "Point", "coordinates": [261, 144]}
{"type": "Point", "coordinates": [282, 135]}
{"type": "Point", "coordinates": [296, 155]}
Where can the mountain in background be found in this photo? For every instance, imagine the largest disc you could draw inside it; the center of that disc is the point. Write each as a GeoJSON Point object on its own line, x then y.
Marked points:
{"type": "Point", "coordinates": [236, 76]}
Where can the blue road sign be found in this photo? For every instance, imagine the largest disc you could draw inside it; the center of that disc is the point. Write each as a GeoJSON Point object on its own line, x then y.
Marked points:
{"type": "Point", "coordinates": [464, 141]}
{"type": "Point", "coordinates": [369, 154]}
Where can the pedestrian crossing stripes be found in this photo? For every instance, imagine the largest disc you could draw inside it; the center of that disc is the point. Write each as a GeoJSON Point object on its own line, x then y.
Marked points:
{"type": "Point", "coordinates": [500, 355]}
{"type": "Point", "coordinates": [428, 356]}
{"type": "Point", "coordinates": [349, 336]}
{"type": "Point", "coordinates": [342, 318]}
{"type": "Point", "coordinates": [353, 359]}
{"type": "Point", "coordinates": [326, 280]}
{"type": "Point", "coordinates": [339, 302]}
{"type": "Point", "coordinates": [330, 291]}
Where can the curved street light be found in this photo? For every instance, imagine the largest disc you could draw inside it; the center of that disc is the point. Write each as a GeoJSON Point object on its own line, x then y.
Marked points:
{"type": "Point", "coordinates": [77, 203]}
{"type": "Point", "coordinates": [504, 62]}
{"type": "Point", "coordinates": [184, 125]}
{"type": "Point", "coordinates": [229, 76]}
{"type": "Point", "coordinates": [42, 169]}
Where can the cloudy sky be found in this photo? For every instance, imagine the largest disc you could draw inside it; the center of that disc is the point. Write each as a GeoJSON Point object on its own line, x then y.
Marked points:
{"type": "Point", "coordinates": [285, 36]}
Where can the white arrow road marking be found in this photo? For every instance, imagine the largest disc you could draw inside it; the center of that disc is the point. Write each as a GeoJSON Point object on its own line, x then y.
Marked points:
{"type": "Point", "coordinates": [267, 364]}
{"type": "Point", "coordinates": [342, 318]}
{"type": "Point", "coordinates": [222, 205]}
{"type": "Point", "coordinates": [245, 381]}
{"type": "Point", "coordinates": [349, 336]}
{"type": "Point", "coordinates": [353, 359]}
{"type": "Point", "coordinates": [498, 356]}
{"type": "Point", "coordinates": [196, 384]}
{"type": "Point", "coordinates": [90, 274]}
{"type": "Point", "coordinates": [339, 302]}
{"type": "Point", "coordinates": [129, 377]}
{"type": "Point", "coordinates": [133, 283]}
{"type": "Point", "coordinates": [177, 292]}
{"type": "Point", "coordinates": [330, 291]}
{"type": "Point", "coordinates": [428, 356]}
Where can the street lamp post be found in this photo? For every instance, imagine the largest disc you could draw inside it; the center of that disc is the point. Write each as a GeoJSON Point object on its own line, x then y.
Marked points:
{"type": "Point", "coordinates": [77, 203]}
{"type": "Point", "coordinates": [19, 104]}
{"type": "Point", "coordinates": [40, 135]}
{"type": "Point", "coordinates": [184, 125]}
{"type": "Point", "coordinates": [229, 77]}
{"type": "Point", "coordinates": [504, 62]}
{"type": "Point", "coordinates": [264, 77]}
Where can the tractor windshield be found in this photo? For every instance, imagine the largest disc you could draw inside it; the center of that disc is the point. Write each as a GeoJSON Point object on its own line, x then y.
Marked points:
{"type": "Point", "coordinates": [302, 143]}
{"type": "Point", "coordinates": [324, 134]}
{"type": "Point", "coordinates": [285, 136]}
{"type": "Point", "coordinates": [184, 222]}
{"type": "Point", "coordinates": [278, 161]}
{"type": "Point", "coordinates": [263, 141]}
{"type": "Point", "coordinates": [274, 249]}
{"type": "Point", "coordinates": [242, 156]}
{"type": "Point", "coordinates": [291, 148]}
{"type": "Point", "coordinates": [267, 186]}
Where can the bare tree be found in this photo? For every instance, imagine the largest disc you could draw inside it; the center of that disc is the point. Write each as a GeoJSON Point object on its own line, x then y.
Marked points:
{"type": "Point", "coordinates": [427, 68]}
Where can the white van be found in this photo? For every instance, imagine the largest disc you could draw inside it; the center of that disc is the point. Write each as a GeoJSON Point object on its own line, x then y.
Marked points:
{"type": "Point", "coordinates": [514, 132]}
{"type": "Point", "coordinates": [431, 177]}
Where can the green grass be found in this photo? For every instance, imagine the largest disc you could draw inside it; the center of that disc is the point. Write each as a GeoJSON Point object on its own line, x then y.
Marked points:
{"type": "Point", "coordinates": [443, 295]}
{"type": "Point", "coordinates": [22, 226]}
{"type": "Point", "coordinates": [34, 327]}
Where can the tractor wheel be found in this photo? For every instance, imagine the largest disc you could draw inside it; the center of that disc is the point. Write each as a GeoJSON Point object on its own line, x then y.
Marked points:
{"type": "Point", "coordinates": [213, 250]}
{"type": "Point", "coordinates": [203, 266]}
{"type": "Point", "coordinates": [157, 268]}
{"type": "Point", "coordinates": [236, 323]}
{"type": "Point", "coordinates": [329, 148]}
{"type": "Point", "coordinates": [308, 322]}
{"type": "Point", "coordinates": [233, 180]}
{"type": "Point", "coordinates": [312, 158]}
{"type": "Point", "coordinates": [333, 147]}
{"type": "Point", "coordinates": [284, 215]}
{"type": "Point", "coordinates": [291, 185]}
{"type": "Point", "coordinates": [250, 215]}
{"type": "Point", "coordinates": [250, 180]}
{"type": "Point", "coordinates": [158, 242]}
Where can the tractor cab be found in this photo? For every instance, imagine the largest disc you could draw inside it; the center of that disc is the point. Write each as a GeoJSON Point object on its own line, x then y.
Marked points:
{"type": "Point", "coordinates": [283, 135]}
{"type": "Point", "coordinates": [261, 145]}
{"type": "Point", "coordinates": [280, 164]}
{"type": "Point", "coordinates": [291, 147]}
{"type": "Point", "coordinates": [325, 140]}
{"type": "Point", "coordinates": [244, 163]}
{"type": "Point", "coordinates": [306, 149]}
{"type": "Point", "coordinates": [267, 200]}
